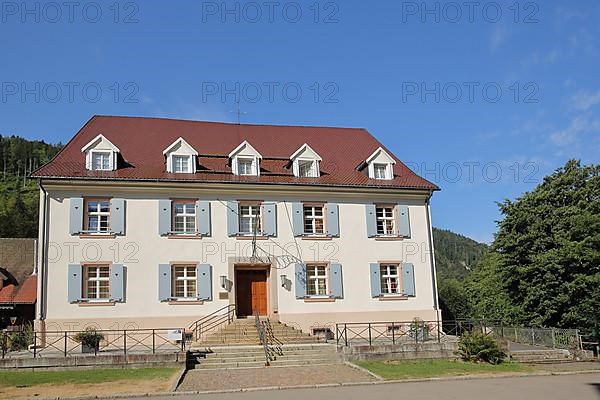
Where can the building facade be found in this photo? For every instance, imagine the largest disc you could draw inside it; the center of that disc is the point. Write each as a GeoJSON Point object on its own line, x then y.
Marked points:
{"type": "Point", "coordinates": [157, 223]}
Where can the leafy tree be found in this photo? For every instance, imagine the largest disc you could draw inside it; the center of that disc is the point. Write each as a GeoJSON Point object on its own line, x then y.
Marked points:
{"type": "Point", "coordinates": [545, 265]}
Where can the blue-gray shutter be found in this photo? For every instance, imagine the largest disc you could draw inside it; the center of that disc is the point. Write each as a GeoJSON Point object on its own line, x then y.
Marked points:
{"type": "Point", "coordinates": [204, 279]}
{"type": "Point", "coordinates": [270, 219]}
{"type": "Point", "coordinates": [336, 281]}
{"type": "Point", "coordinates": [117, 216]}
{"type": "Point", "coordinates": [333, 220]}
{"type": "Point", "coordinates": [74, 283]}
{"type": "Point", "coordinates": [117, 282]}
{"type": "Point", "coordinates": [300, 273]}
{"type": "Point", "coordinates": [233, 223]}
{"type": "Point", "coordinates": [76, 215]}
{"type": "Point", "coordinates": [403, 221]}
{"type": "Point", "coordinates": [298, 219]}
{"type": "Point", "coordinates": [408, 279]}
{"type": "Point", "coordinates": [164, 217]}
{"type": "Point", "coordinates": [371, 214]}
{"type": "Point", "coordinates": [164, 282]}
{"type": "Point", "coordinates": [203, 217]}
{"type": "Point", "coordinates": [375, 280]}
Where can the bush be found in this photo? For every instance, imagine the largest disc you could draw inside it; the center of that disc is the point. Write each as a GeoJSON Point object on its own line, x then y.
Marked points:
{"type": "Point", "coordinates": [478, 347]}
{"type": "Point", "coordinates": [18, 341]}
{"type": "Point", "coordinates": [89, 338]}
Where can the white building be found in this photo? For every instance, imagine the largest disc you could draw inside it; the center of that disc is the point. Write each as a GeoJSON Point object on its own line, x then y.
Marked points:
{"type": "Point", "coordinates": [156, 223]}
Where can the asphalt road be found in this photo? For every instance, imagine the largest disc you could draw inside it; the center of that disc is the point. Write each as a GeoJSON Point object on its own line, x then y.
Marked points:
{"type": "Point", "coordinates": [564, 387]}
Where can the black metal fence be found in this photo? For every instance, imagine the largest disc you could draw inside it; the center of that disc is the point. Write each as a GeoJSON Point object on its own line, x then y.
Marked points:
{"type": "Point", "coordinates": [419, 331]}
{"type": "Point", "coordinates": [35, 344]}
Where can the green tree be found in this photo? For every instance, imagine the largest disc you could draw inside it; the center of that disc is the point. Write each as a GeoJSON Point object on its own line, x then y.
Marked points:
{"type": "Point", "coordinates": [545, 265]}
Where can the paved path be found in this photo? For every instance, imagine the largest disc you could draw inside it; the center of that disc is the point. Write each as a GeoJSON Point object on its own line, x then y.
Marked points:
{"type": "Point", "coordinates": [565, 387]}
{"type": "Point", "coordinates": [203, 380]}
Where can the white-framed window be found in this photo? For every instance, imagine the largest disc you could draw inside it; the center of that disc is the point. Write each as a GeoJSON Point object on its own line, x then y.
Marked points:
{"type": "Point", "coordinates": [308, 168]}
{"type": "Point", "coordinates": [96, 282]}
{"type": "Point", "coordinates": [184, 281]}
{"type": "Point", "coordinates": [97, 216]}
{"type": "Point", "coordinates": [380, 171]}
{"type": "Point", "coordinates": [317, 282]}
{"type": "Point", "coordinates": [390, 278]}
{"type": "Point", "coordinates": [314, 219]}
{"type": "Point", "coordinates": [250, 216]}
{"type": "Point", "coordinates": [101, 160]}
{"type": "Point", "coordinates": [184, 217]}
{"type": "Point", "coordinates": [181, 163]}
{"type": "Point", "coordinates": [386, 224]}
{"type": "Point", "coordinates": [246, 166]}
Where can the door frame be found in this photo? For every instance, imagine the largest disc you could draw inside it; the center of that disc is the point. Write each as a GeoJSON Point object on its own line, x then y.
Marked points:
{"type": "Point", "coordinates": [252, 267]}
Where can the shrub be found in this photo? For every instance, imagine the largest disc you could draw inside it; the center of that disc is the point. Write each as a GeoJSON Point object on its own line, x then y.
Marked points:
{"type": "Point", "coordinates": [18, 341]}
{"type": "Point", "coordinates": [478, 347]}
{"type": "Point", "coordinates": [90, 338]}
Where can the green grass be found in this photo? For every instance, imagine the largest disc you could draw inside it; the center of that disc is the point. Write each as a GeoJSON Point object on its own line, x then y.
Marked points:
{"type": "Point", "coordinates": [28, 378]}
{"type": "Point", "coordinates": [432, 368]}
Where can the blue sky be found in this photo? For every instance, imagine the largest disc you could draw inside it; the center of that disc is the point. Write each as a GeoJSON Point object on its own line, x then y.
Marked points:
{"type": "Point", "coordinates": [484, 100]}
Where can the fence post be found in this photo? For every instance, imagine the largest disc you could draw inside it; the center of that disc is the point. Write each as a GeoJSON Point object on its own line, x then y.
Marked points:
{"type": "Point", "coordinates": [516, 337]}
{"type": "Point", "coordinates": [439, 334]}
{"type": "Point", "coordinates": [65, 350]}
{"type": "Point", "coordinates": [553, 339]}
{"type": "Point", "coordinates": [153, 342]}
{"type": "Point", "coordinates": [125, 342]}
{"type": "Point", "coordinates": [370, 340]}
{"type": "Point", "coordinates": [34, 344]}
{"type": "Point", "coordinates": [346, 334]}
{"type": "Point", "coordinates": [532, 337]}
{"type": "Point", "coordinates": [393, 334]}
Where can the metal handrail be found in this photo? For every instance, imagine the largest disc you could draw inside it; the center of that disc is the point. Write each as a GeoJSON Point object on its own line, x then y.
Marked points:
{"type": "Point", "coordinates": [262, 337]}
{"type": "Point", "coordinates": [274, 345]}
{"type": "Point", "coordinates": [213, 320]}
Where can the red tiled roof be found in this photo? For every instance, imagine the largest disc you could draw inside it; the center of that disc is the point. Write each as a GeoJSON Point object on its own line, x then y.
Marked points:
{"type": "Point", "coordinates": [25, 293]}
{"type": "Point", "coordinates": [142, 141]}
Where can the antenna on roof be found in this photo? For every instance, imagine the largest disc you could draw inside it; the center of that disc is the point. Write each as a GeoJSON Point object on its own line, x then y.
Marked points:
{"type": "Point", "coordinates": [238, 112]}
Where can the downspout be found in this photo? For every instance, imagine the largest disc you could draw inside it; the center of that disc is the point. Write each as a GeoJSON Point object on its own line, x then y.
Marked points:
{"type": "Point", "coordinates": [42, 251]}
{"type": "Point", "coordinates": [432, 255]}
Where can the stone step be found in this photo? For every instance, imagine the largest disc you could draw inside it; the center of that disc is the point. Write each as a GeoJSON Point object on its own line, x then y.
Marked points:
{"type": "Point", "coordinates": [276, 363]}
{"type": "Point", "coordinates": [286, 347]}
{"type": "Point", "coordinates": [223, 358]}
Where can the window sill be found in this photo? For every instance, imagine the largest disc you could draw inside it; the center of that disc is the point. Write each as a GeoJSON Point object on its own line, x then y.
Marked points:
{"type": "Point", "coordinates": [185, 302]}
{"type": "Point", "coordinates": [107, 303]}
{"type": "Point", "coordinates": [97, 236]}
{"type": "Point", "coordinates": [317, 237]}
{"type": "Point", "coordinates": [319, 299]}
{"type": "Point", "coordinates": [183, 236]}
{"type": "Point", "coordinates": [389, 238]}
{"type": "Point", "coordinates": [250, 237]}
{"type": "Point", "coordinates": [393, 298]}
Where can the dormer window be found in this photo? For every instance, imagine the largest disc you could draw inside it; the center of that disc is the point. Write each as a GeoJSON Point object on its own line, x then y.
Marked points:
{"type": "Point", "coordinates": [182, 164]}
{"type": "Point", "coordinates": [380, 165]}
{"type": "Point", "coordinates": [245, 166]}
{"type": "Point", "coordinates": [380, 171]}
{"type": "Point", "coordinates": [181, 157]}
{"type": "Point", "coordinates": [305, 162]}
{"type": "Point", "coordinates": [101, 160]}
{"type": "Point", "coordinates": [100, 154]}
{"type": "Point", "coordinates": [245, 160]}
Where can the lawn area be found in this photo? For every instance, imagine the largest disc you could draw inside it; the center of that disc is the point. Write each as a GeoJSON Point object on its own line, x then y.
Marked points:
{"type": "Point", "coordinates": [85, 382]}
{"type": "Point", "coordinates": [88, 376]}
{"type": "Point", "coordinates": [432, 368]}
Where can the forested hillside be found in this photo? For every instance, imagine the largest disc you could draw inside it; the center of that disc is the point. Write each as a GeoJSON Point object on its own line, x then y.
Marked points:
{"type": "Point", "coordinates": [19, 196]}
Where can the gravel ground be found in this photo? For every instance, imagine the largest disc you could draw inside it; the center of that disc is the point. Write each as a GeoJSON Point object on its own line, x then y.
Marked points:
{"type": "Point", "coordinates": [275, 376]}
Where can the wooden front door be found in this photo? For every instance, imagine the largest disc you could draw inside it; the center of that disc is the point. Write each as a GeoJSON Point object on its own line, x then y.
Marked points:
{"type": "Point", "coordinates": [251, 292]}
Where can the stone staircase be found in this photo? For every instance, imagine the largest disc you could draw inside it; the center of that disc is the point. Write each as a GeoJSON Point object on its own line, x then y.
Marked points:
{"type": "Point", "coordinates": [229, 357]}
{"type": "Point", "coordinates": [237, 345]}
{"type": "Point", "coordinates": [243, 332]}
{"type": "Point", "coordinates": [541, 356]}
